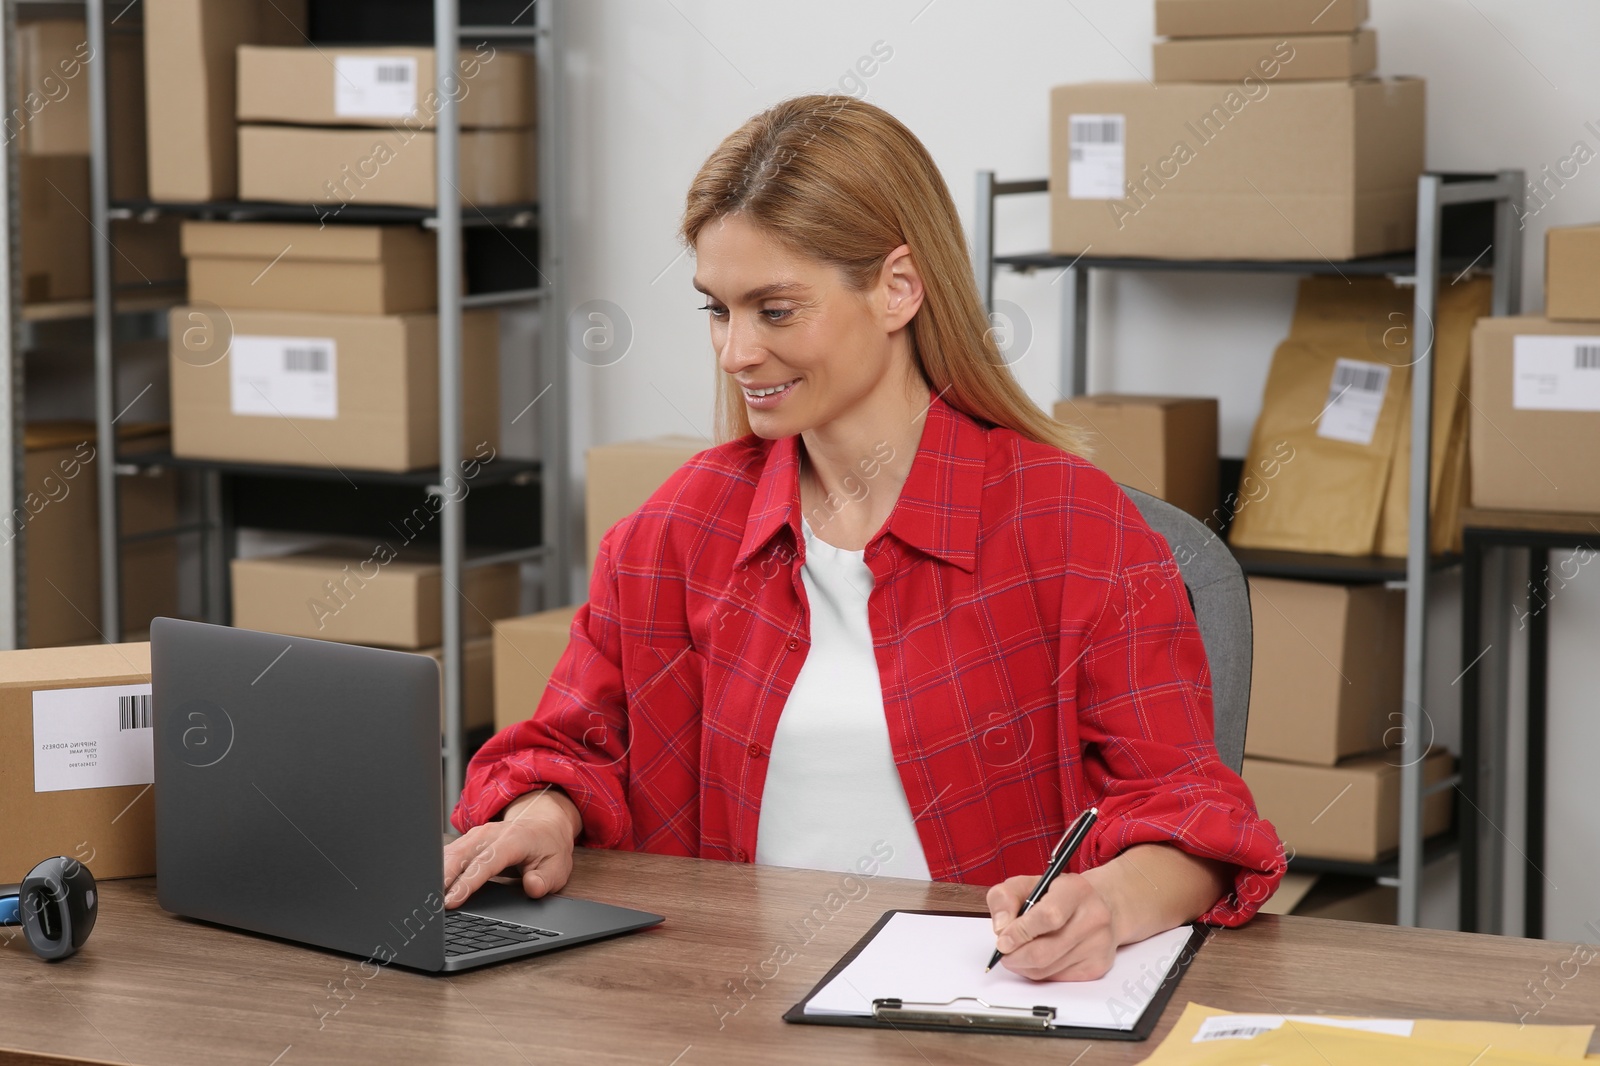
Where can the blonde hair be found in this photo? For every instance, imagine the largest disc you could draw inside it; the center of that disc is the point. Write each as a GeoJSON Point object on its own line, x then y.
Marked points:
{"type": "Point", "coordinates": [843, 182]}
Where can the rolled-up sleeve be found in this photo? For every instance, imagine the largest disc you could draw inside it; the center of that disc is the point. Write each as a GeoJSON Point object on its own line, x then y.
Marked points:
{"type": "Point", "coordinates": [577, 736]}
{"type": "Point", "coordinates": [1143, 689]}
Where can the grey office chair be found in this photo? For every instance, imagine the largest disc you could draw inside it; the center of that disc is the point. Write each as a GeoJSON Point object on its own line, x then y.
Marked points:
{"type": "Point", "coordinates": [1221, 601]}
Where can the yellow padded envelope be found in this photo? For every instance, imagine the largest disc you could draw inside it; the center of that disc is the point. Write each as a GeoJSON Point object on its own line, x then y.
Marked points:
{"type": "Point", "coordinates": [1433, 1042]}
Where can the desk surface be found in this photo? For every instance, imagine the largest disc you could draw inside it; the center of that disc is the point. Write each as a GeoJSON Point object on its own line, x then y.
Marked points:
{"type": "Point", "coordinates": [153, 988]}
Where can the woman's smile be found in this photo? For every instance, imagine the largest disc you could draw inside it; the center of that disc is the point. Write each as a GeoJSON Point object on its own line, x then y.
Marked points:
{"type": "Point", "coordinates": [763, 399]}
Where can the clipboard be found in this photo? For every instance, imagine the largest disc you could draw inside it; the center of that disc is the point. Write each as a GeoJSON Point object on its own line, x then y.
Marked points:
{"type": "Point", "coordinates": [971, 1015]}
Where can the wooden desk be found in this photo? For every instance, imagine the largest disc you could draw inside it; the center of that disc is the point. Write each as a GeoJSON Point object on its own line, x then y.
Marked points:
{"type": "Point", "coordinates": [152, 988]}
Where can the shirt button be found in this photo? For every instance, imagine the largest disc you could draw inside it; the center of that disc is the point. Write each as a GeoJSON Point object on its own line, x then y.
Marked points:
{"type": "Point", "coordinates": [793, 644]}
{"type": "Point", "coordinates": [739, 855]}
{"type": "Point", "coordinates": [755, 750]}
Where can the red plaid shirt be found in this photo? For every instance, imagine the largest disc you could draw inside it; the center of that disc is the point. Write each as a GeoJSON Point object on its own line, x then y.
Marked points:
{"type": "Point", "coordinates": [1036, 650]}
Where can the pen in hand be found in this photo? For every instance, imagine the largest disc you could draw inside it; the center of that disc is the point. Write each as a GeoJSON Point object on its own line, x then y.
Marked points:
{"type": "Point", "coordinates": [1064, 850]}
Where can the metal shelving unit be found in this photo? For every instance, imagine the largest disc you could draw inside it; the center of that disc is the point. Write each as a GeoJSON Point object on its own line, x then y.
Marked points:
{"type": "Point", "coordinates": [549, 553]}
{"type": "Point", "coordinates": [1481, 209]}
{"type": "Point", "coordinates": [13, 605]}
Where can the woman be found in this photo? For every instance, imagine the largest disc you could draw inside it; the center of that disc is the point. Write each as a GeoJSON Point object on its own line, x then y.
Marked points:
{"type": "Point", "coordinates": [894, 616]}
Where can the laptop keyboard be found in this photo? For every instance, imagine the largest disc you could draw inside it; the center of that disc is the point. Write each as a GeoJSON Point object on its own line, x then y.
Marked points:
{"type": "Point", "coordinates": [465, 933]}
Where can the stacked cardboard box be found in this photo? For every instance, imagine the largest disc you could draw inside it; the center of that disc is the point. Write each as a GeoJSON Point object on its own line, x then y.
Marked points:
{"type": "Point", "coordinates": [50, 127]}
{"type": "Point", "coordinates": [190, 81]}
{"type": "Point", "coordinates": [621, 477]}
{"type": "Point", "coordinates": [1335, 422]}
{"type": "Point", "coordinates": [1572, 273]}
{"type": "Point", "coordinates": [101, 812]}
{"type": "Point", "coordinates": [383, 595]}
{"type": "Point", "coordinates": [1536, 383]}
{"type": "Point", "coordinates": [1321, 748]}
{"type": "Point", "coordinates": [1163, 445]}
{"type": "Point", "coordinates": [60, 518]}
{"type": "Point", "coordinates": [1262, 137]}
{"type": "Point", "coordinates": [354, 125]}
{"type": "Point", "coordinates": [315, 345]}
{"type": "Point", "coordinates": [1229, 40]}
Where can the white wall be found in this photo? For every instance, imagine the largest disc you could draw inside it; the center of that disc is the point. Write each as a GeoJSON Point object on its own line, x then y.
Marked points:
{"type": "Point", "coordinates": [655, 84]}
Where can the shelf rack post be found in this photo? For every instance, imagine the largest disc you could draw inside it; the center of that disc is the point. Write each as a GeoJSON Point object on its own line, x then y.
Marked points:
{"type": "Point", "coordinates": [983, 239]}
{"type": "Point", "coordinates": [1483, 788]}
{"type": "Point", "coordinates": [555, 441]}
{"type": "Point", "coordinates": [1416, 615]}
{"type": "Point", "coordinates": [105, 374]}
{"type": "Point", "coordinates": [13, 605]}
{"type": "Point", "coordinates": [452, 528]}
{"type": "Point", "coordinates": [1434, 193]}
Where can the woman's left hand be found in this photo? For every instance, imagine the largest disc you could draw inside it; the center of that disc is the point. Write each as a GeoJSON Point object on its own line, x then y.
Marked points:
{"type": "Point", "coordinates": [1066, 936]}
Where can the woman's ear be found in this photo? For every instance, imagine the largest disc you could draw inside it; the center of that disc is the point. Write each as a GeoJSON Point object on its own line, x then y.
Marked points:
{"type": "Point", "coordinates": [901, 284]}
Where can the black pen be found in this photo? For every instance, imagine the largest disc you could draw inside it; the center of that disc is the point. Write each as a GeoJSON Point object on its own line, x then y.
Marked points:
{"type": "Point", "coordinates": [1065, 849]}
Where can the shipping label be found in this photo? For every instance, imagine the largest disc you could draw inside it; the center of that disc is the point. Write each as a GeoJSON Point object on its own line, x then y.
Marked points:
{"type": "Point", "coordinates": [374, 86]}
{"type": "Point", "coordinates": [96, 737]}
{"type": "Point", "coordinates": [1355, 400]}
{"type": "Point", "coordinates": [1555, 373]}
{"type": "Point", "coordinates": [291, 377]}
{"type": "Point", "coordinates": [1098, 162]}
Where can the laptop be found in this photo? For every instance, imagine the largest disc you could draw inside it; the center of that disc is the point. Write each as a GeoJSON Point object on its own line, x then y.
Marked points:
{"type": "Point", "coordinates": [298, 792]}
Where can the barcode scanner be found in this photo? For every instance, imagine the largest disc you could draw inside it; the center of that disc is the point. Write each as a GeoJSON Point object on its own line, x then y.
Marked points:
{"type": "Point", "coordinates": [55, 905]}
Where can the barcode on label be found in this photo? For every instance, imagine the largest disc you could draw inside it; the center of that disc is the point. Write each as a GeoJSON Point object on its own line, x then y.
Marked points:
{"type": "Point", "coordinates": [1238, 1032]}
{"type": "Point", "coordinates": [393, 74]}
{"type": "Point", "coordinates": [1586, 357]}
{"type": "Point", "coordinates": [133, 712]}
{"type": "Point", "coordinates": [1097, 130]}
{"type": "Point", "coordinates": [1368, 378]}
{"type": "Point", "coordinates": [306, 360]}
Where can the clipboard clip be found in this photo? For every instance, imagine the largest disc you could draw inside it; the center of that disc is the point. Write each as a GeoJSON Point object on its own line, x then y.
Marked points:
{"type": "Point", "coordinates": [952, 1015]}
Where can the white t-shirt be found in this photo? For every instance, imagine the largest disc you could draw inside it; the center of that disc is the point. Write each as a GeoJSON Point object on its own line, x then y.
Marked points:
{"type": "Point", "coordinates": [832, 790]}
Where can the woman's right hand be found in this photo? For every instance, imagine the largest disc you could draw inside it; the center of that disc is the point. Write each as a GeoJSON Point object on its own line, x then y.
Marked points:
{"type": "Point", "coordinates": [536, 833]}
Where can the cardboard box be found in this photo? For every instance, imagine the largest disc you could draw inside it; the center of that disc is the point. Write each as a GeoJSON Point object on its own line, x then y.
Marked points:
{"type": "Point", "coordinates": [526, 651]}
{"type": "Point", "coordinates": [62, 534]}
{"type": "Point", "coordinates": [356, 391]}
{"type": "Point", "coordinates": [147, 253]}
{"type": "Point", "coordinates": [1300, 57]}
{"type": "Point", "coordinates": [477, 667]}
{"type": "Point", "coordinates": [52, 93]}
{"type": "Point", "coordinates": [54, 229]}
{"type": "Point", "coordinates": [622, 476]}
{"type": "Point", "coordinates": [1261, 170]}
{"type": "Point", "coordinates": [1349, 812]}
{"type": "Point", "coordinates": [58, 238]}
{"type": "Point", "coordinates": [52, 88]}
{"type": "Point", "coordinates": [1291, 890]}
{"type": "Point", "coordinates": [1325, 680]}
{"type": "Point", "coordinates": [1572, 273]}
{"type": "Point", "coordinates": [387, 597]}
{"type": "Point", "coordinates": [1245, 18]}
{"type": "Point", "coordinates": [1163, 445]}
{"type": "Point", "coordinates": [300, 164]}
{"type": "Point", "coordinates": [1350, 899]}
{"type": "Point", "coordinates": [328, 86]}
{"type": "Point", "coordinates": [190, 84]}
{"type": "Point", "coordinates": [1535, 415]}
{"type": "Point", "coordinates": [109, 829]}
{"type": "Point", "coordinates": [364, 270]}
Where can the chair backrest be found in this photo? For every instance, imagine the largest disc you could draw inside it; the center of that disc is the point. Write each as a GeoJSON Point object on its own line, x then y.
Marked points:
{"type": "Point", "coordinates": [1221, 600]}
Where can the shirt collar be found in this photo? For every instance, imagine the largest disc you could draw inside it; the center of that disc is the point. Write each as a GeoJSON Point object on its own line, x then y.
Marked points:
{"type": "Point", "coordinates": [937, 511]}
